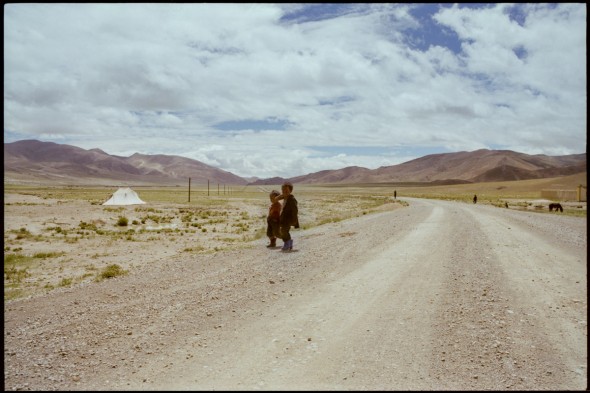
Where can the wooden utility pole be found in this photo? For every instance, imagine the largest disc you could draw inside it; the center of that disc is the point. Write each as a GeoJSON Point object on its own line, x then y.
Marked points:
{"type": "Point", "coordinates": [189, 189]}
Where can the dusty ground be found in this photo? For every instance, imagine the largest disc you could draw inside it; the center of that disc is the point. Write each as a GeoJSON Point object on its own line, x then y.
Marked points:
{"type": "Point", "coordinates": [435, 295]}
{"type": "Point", "coordinates": [71, 241]}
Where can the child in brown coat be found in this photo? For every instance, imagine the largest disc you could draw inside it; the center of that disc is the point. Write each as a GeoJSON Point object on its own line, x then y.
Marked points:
{"type": "Point", "coordinates": [272, 220]}
{"type": "Point", "coordinates": [289, 215]}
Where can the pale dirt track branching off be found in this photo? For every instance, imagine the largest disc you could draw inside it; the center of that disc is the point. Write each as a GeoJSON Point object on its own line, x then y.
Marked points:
{"type": "Point", "coordinates": [436, 295]}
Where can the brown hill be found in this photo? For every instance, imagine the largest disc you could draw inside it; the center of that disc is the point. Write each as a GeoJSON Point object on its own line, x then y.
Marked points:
{"type": "Point", "coordinates": [182, 168]}
{"type": "Point", "coordinates": [31, 161]}
{"type": "Point", "coordinates": [351, 174]}
{"type": "Point", "coordinates": [480, 165]}
{"type": "Point", "coordinates": [453, 168]}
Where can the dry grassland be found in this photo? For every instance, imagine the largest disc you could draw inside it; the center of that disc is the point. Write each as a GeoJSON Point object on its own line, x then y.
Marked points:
{"type": "Point", "coordinates": [56, 237]}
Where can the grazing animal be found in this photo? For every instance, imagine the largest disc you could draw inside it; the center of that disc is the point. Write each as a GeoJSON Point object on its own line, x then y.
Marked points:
{"type": "Point", "coordinates": [556, 206]}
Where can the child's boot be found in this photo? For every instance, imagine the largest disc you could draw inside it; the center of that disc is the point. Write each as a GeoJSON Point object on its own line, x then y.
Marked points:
{"type": "Point", "coordinates": [273, 242]}
{"type": "Point", "coordinates": [285, 245]}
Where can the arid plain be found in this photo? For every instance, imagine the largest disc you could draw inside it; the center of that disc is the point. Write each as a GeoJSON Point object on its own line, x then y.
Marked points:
{"type": "Point", "coordinates": [178, 294]}
{"type": "Point", "coordinates": [61, 236]}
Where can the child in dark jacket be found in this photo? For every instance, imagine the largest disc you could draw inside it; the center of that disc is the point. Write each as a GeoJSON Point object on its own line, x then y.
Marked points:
{"type": "Point", "coordinates": [289, 215]}
{"type": "Point", "coordinates": [272, 220]}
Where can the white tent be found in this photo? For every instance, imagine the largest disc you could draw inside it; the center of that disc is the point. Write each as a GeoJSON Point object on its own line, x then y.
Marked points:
{"type": "Point", "coordinates": [124, 196]}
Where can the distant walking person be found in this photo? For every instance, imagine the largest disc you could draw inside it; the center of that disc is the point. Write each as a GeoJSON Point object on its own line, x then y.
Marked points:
{"type": "Point", "coordinates": [272, 220]}
{"type": "Point", "coordinates": [289, 215]}
{"type": "Point", "coordinates": [475, 198]}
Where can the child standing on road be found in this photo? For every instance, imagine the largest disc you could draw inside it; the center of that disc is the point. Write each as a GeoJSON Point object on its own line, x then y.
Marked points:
{"type": "Point", "coordinates": [289, 215]}
{"type": "Point", "coordinates": [272, 220]}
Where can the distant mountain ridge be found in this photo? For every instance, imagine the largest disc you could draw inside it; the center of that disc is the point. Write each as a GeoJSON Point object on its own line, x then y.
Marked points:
{"type": "Point", "coordinates": [32, 161]}
{"type": "Point", "coordinates": [451, 168]}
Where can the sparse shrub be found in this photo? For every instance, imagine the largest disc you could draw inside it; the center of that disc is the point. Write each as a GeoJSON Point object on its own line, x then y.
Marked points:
{"type": "Point", "coordinates": [14, 274]}
{"type": "Point", "coordinates": [110, 271]}
{"type": "Point", "coordinates": [23, 233]}
{"type": "Point", "coordinates": [194, 249]}
{"type": "Point", "coordinates": [44, 255]}
{"type": "Point", "coordinates": [122, 222]}
{"type": "Point", "coordinates": [87, 226]}
{"type": "Point", "coordinates": [57, 230]}
{"type": "Point", "coordinates": [114, 209]}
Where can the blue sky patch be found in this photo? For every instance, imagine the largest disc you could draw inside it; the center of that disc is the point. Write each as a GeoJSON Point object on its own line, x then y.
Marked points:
{"type": "Point", "coordinates": [336, 100]}
{"type": "Point", "coordinates": [517, 14]}
{"type": "Point", "coordinates": [270, 123]}
{"type": "Point", "coordinates": [520, 52]}
{"type": "Point", "coordinates": [430, 32]}
{"type": "Point", "coordinates": [322, 11]}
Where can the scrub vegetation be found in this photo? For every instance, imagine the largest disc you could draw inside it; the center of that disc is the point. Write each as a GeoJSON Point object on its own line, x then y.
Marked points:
{"type": "Point", "coordinates": [57, 237]}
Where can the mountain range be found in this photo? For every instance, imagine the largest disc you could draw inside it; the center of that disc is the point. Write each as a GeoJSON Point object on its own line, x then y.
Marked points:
{"type": "Point", "coordinates": [36, 162]}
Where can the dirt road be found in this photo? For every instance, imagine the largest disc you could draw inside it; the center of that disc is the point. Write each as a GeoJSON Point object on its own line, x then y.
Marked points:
{"type": "Point", "coordinates": [437, 295]}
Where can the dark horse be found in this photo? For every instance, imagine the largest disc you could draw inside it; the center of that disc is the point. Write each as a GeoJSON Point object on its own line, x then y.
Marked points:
{"type": "Point", "coordinates": [556, 206]}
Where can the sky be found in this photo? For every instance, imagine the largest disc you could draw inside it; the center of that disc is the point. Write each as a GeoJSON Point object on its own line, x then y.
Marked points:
{"type": "Point", "coordinates": [264, 90]}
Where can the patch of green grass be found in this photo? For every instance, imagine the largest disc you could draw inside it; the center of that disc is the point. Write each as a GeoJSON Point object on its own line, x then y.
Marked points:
{"type": "Point", "coordinates": [88, 226]}
{"type": "Point", "coordinates": [114, 209]}
{"type": "Point", "coordinates": [65, 282]}
{"type": "Point", "coordinates": [15, 275]}
{"type": "Point", "coordinates": [111, 271]}
{"type": "Point", "coordinates": [45, 255]}
{"type": "Point", "coordinates": [575, 213]}
{"type": "Point", "coordinates": [194, 249]}
{"type": "Point", "coordinates": [16, 259]}
{"type": "Point", "coordinates": [13, 293]}
{"type": "Point", "coordinates": [58, 230]}
{"type": "Point", "coordinates": [122, 221]}
{"type": "Point", "coordinates": [22, 233]}
{"type": "Point", "coordinates": [16, 267]}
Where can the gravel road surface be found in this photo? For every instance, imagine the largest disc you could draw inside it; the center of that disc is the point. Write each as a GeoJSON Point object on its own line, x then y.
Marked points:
{"type": "Point", "coordinates": [437, 295]}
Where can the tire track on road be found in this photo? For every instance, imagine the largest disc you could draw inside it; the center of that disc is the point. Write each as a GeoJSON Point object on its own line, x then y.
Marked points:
{"type": "Point", "coordinates": [370, 327]}
{"type": "Point", "coordinates": [547, 283]}
{"type": "Point", "coordinates": [489, 337]}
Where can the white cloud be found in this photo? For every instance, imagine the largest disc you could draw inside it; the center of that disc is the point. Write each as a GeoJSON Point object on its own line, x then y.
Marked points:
{"type": "Point", "coordinates": [157, 78]}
